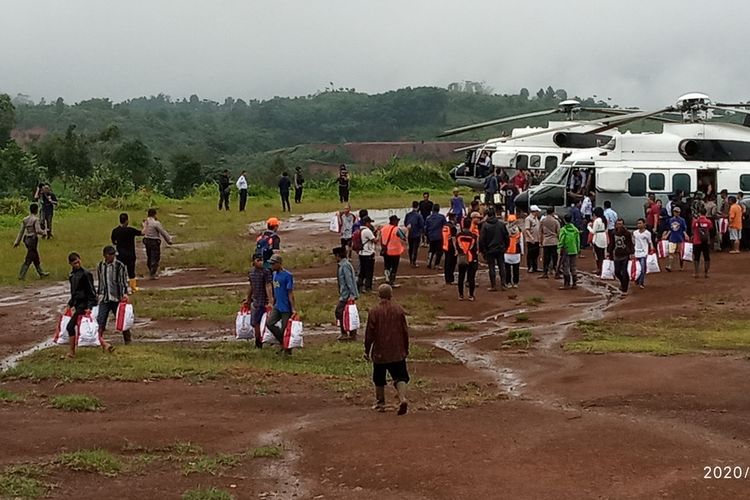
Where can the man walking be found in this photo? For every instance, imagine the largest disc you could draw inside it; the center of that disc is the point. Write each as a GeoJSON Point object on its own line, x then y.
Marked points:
{"type": "Point", "coordinates": [642, 245]}
{"type": "Point", "coordinates": [392, 240]}
{"type": "Point", "coordinates": [550, 228]}
{"type": "Point", "coordinates": [449, 248]}
{"type": "Point", "coordinates": [346, 228]}
{"type": "Point", "coordinates": [283, 300]}
{"type": "Point", "coordinates": [387, 346]}
{"type": "Point", "coordinates": [112, 280]}
{"type": "Point", "coordinates": [434, 228]}
{"type": "Point", "coordinates": [414, 223]}
{"type": "Point", "coordinates": [611, 217]}
{"type": "Point", "coordinates": [268, 243]}
{"type": "Point", "coordinates": [153, 232]}
{"type": "Point", "coordinates": [299, 183]}
{"type": "Point", "coordinates": [702, 226]}
{"type": "Point", "coordinates": [569, 246]}
{"type": "Point", "coordinates": [366, 255]}
{"type": "Point", "coordinates": [242, 188]}
{"type": "Point", "coordinates": [347, 291]}
{"type": "Point", "coordinates": [123, 238]}
{"type": "Point", "coordinates": [676, 233]}
{"type": "Point", "coordinates": [343, 184]}
{"type": "Point", "coordinates": [224, 189]}
{"type": "Point", "coordinates": [48, 200]}
{"type": "Point", "coordinates": [82, 300]}
{"type": "Point", "coordinates": [425, 208]}
{"type": "Point", "coordinates": [493, 240]}
{"type": "Point", "coordinates": [531, 233]}
{"type": "Point", "coordinates": [31, 229]}
{"type": "Point", "coordinates": [468, 259]}
{"type": "Point", "coordinates": [284, 185]}
{"type": "Point", "coordinates": [491, 188]}
{"type": "Point", "coordinates": [258, 296]}
{"type": "Point", "coordinates": [620, 249]}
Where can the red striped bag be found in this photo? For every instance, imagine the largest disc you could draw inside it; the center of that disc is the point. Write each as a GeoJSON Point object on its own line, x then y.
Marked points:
{"type": "Point", "coordinates": [293, 335]}
{"type": "Point", "coordinates": [125, 317]}
{"type": "Point", "coordinates": [351, 317]}
{"type": "Point", "coordinates": [61, 333]}
{"type": "Point", "coordinates": [662, 249]}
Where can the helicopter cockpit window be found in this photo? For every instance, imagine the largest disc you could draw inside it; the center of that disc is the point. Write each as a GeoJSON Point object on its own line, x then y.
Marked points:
{"type": "Point", "coordinates": [522, 162]}
{"type": "Point", "coordinates": [610, 146]}
{"type": "Point", "coordinates": [557, 177]}
{"type": "Point", "coordinates": [535, 162]}
{"type": "Point", "coordinates": [550, 163]}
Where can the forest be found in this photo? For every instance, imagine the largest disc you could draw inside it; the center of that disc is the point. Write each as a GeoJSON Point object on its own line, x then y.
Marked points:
{"type": "Point", "coordinates": [97, 148]}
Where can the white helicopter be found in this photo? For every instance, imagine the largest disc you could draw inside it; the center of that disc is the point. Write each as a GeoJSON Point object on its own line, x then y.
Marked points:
{"type": "Point", "coordinates": [694, 155]}
{"type": "Point", "coordinates": [538, 149]}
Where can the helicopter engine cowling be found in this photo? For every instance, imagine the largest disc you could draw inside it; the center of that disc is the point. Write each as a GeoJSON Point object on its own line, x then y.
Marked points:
{"type": "Point", "coordinates": [577, 140]}
{"type": "Point", "coordinates": [689, 148]}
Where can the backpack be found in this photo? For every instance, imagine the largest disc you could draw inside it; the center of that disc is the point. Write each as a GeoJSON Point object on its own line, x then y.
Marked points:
{"type": "Point", "coordinates": [357, 241]}
{"type": "Point", "coordinates": [264, 245]}
{"type": "Point", "coordinates": [704, 234]}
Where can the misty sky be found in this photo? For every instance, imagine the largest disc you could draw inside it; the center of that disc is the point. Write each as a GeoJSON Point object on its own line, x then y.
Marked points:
{"type": "Point", "coordinates": [640, 53]}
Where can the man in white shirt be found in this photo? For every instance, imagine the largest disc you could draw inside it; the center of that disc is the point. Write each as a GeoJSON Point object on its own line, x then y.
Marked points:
{"type": "Point", "coordinates": [366, 255]}
{"type": "Point", "coordinates": [587, 207]}
{"type": "Point", "coordinates": [242, 186]}
{"type": "Point", "coordinates": [643, 245]}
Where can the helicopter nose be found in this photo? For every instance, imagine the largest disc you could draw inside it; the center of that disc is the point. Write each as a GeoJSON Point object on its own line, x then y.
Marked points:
{"type": "Point", "coordinates": [522, 201]}
{"type": "Point", "coordinates": [453, 173]}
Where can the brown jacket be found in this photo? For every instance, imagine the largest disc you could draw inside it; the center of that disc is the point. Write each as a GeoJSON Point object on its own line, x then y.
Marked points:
{"type": "Point", "coordinates": [387, 334]}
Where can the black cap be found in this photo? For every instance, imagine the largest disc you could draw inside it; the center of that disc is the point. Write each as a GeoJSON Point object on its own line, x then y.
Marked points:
{"type": "Point", "coordinates": [109, 250]}
{"type": "Point", "coordinates": [393, 218]}
{"type": "Point", "coordinates": [366, 220]}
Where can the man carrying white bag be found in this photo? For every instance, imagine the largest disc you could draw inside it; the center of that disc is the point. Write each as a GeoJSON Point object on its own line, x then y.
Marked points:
{"type": "Point", "coordinates": [346, 309]}
{"type": "Point", "coordinates": [112, 290]}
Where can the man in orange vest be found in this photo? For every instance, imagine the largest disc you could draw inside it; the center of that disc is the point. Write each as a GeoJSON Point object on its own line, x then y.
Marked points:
{"type": "Point", "coordinates": [468, 260]}
{"type": "Point", "coordinates": [514, 252]}
{"type": "Point", "coordinates": [449, 248]}
{"type": "Point", "coordinates": [392, 240]}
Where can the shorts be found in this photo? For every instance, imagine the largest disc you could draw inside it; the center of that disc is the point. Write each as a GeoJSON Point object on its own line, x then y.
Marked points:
{"type": "Point", "coordinates": [735, 234]}
{"type": "Point", "coordinates": [675, 248]}
{"type": "Point", "coordinates": [256, 314]}
{"type": "Point", "coordinates": [346, 242]}
{"type": "Point", "coordinates": [397, 369]}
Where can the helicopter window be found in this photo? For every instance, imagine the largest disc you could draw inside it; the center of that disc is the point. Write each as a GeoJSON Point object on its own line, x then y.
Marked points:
{"type": "Point", "coordinates": [744, 182]}
{"type": "Point", "coordinates": [681, 182]}
{"type": "Point", "coordinates": [550, 163]}
{"type": "Point", "coordinates": [656, 182]}
{"type": "Point", "coordinates": [535, 162]}
{"type": "Point", "coordinates": [522, 162]}
{"type": "Point", "coordinates": [557, 177]}
{"type": "Point", "coordinates": [637, 185]}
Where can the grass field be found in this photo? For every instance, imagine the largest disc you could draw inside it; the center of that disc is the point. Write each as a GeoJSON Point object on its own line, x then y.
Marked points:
{"type": "Point", "coordinates": [86, 230]}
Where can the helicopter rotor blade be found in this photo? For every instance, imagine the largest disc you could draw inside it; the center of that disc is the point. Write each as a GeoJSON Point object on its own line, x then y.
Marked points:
{"type": "Point", "coordinates": [622, 112]}
{"type": "Point", "coordinates": [622, 120]}
{"type": "Point", "coordinates": [490, 123]}
{"type": "Point", "coordinates": [724, 107]}
{"type": "Point", "coordinates": [740, 105]}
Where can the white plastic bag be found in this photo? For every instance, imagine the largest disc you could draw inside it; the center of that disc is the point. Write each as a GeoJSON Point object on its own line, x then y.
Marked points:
{"type": "Point", "coordinates": [687, 251]}
{"type": "Point", "coordinates": [333, 226]}
{"type": "Point", "coordinates": [267, 336]}
{"type": "Point", "coordinates": [351, 317]}
{"type": "Point", "coordinates": [125, 317]}
{"type": "Point", "coordinates": [88, 331]}
{"type": "Point", "coordinates": [608, 269]}
{"type": "Point", "coordinates": [293, 335]}
{"type": "Point", "coordinates": [634, 269]}
{"type": "Point", "coordinates": [61, 334]}
{"type": "Point", "coordinates": [497, 198]}
{"type": "Point", "coordinates": [662, 249]}
{"type": "Point", "coordinates": [243, 324]}
{"type": "Point", "coordinates": [652, 264]}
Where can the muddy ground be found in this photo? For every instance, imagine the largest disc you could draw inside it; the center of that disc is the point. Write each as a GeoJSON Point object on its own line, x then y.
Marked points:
{"type": "Point", "coordinates": [555, 425]}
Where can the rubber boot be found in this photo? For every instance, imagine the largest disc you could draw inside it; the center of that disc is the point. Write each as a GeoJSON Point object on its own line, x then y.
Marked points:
{"type": "Point", "coordinates": [379, 399]}
{"type": "Point", "coordinates": [42, 273]}
{"type": "Point", "coordinates": [23, 271]}
{"type": "Point", "coordinates": [706, 267]}
{"type": "Point", "coordinates": [133, 285]}
{"type": "Point", "coordinates": [403, 403]}
{"type": "Point", "coordinates": [696, 264]}
{"type": "Point", "coordinates": [126, 337]}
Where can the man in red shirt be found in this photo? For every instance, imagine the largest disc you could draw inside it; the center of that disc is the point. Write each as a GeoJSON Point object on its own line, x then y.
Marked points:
{"type": "Point", "coordinates": [521, 181]}
{"type": "Point", "coordinates": [701, 242]}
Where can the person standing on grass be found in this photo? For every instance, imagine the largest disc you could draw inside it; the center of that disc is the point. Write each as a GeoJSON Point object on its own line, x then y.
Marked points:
{"type": "Point", "coordinates": [387, 346]}
{"type": "Point", "coordinates": [82, 300]}
{"type": "Point", "coordinates": [425, 208]}
{"type": "Point", "coordinates": [468, 259]}
{"type": "Point", "coordinates": [346, 228]}
{"type": "Point", "coordinates": [343, 181]}
{"type": "Point", "coordinates": [224, 190]}
{"type": "Point", "coordinates": [123, 238]}
{"type": "Point", "coordinates": [258, 296]}
{"type": "Point", "coordinates": [48, 200]}
{"type": "Point", "coordinates": [299, 184]}
{"type": "Point", "coordinates": [570, 246]}
{"type": "Point", "coordinates": [449, 248]}
{"type": "Point", "coordinates": [284, 185]}
{"type": "Point", "coordinates": [550, 228]}
{"type": "Point", "coordinates": [392, 240]}
{"type": "Point", "coordinates": [242, 188]}
{"type": "Point", "coordinates": [514, 252]}
{"type": "Point", "coordinates": [283, 300]}
{"type": "Point", "coordinates": [493, 241]}
{"type": "Point", "coordinates": [531, 233]}
{"type": "Point", "coordinates": [434, 228]}
{"type": "Point", "coordinates": [268, 243]}
{"type": "Point", "coordinates": [702, 226]}
{"type": "Point", "coordinates": [735, 224]}
{"type": "Point", "coordinates": [414, 223]}
{"type": "Point", "coordinates": [677, 235]}
{"type": "Point", "coordinates": [112, 280]}
{"type": "Point", "coordinates": [643, 244]}
{"type": "Point", "coordinates": [347, 290]}
{"type": "Point", "coordinates": [366, 255]}
{"type": "Point", "coordinates": [458, 208]}
{"type": "Point", "coordinates": [153, 232]}
{"type": "Point", "coordinates": [599, 238]}
{"type": "Point", "coordinates": [30, 232]}
{"type": "Point", "coordinates": [620, 249]}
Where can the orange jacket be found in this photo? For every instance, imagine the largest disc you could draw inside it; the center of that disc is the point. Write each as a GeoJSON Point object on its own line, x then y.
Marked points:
{"type": "Point", "coordinates": [389, 239]}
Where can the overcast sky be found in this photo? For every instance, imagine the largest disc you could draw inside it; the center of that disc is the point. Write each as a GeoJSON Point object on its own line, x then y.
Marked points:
{"type": "Point", "coordinates": [641, 52]}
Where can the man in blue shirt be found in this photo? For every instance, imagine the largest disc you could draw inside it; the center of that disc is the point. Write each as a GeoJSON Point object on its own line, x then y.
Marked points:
{"type": "Point", "coordinates": [676, 233]}
{"type": "Point", "coordinates": [414, 222]}
{"type": "Point", "coordinates": [434, 228]}
{"type": "Point", "coordinates": [283, 300]}
{"type": "Point", "coordinates": [611, 217]}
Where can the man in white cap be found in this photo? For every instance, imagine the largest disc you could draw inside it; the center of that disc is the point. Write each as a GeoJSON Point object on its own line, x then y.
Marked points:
{"type": "Point", "coordinates": [531, 228]}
